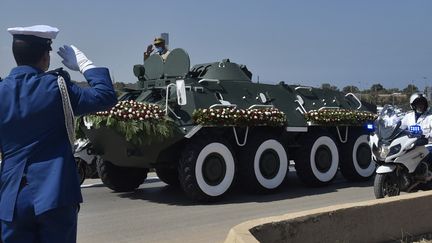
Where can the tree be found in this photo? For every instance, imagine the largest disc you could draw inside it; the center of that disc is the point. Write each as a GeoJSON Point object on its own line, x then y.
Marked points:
{"type": "Point", "coordinates": [410, 89]}
{"type": "Point", "coordinates": [377, 88]}
{"type": "Point", "coordinates": [328, 86]}
{"type": "Point", "coordinates": [350, 89]}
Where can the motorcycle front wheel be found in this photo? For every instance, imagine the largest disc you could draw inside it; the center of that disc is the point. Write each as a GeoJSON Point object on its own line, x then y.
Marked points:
{"type": "Point", "coordinates": [81, 164]}
{"type": "Point", "coordinates": [386, 185]}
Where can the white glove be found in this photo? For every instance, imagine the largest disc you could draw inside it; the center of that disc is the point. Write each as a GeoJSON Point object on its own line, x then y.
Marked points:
{"type": "Point", "coordinates": [74, 59]}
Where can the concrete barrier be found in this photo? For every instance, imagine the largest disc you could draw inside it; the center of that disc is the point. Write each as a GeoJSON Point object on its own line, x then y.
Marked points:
{"type": "Point", "coordinates": [389, 219]}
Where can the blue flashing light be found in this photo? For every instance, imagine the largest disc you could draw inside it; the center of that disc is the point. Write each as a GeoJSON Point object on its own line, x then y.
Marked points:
{"type": "Point", "coordinates": [415, 129]}
{"type": "Point", "coordinates": [370, 127]}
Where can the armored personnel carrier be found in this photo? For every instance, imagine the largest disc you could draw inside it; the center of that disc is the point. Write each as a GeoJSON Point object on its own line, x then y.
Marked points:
{"type": "Point", "coordinates": [229, 129]}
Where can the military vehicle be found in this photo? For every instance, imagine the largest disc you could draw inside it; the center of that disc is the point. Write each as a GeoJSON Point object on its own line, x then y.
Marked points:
{"type": "Point", "coordinates": [206, 160]}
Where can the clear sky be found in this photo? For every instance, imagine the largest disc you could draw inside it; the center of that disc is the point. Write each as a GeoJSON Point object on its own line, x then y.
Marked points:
{"type": "Point", "coordinates": [342, 42]}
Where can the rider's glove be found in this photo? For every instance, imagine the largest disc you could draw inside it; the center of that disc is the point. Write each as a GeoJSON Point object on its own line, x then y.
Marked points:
{"type": "Point", "coordinates": [75, 59]}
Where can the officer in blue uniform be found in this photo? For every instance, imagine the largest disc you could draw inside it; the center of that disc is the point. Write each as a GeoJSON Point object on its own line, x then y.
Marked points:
{"type": "Point", "coordinates": [40, 191]}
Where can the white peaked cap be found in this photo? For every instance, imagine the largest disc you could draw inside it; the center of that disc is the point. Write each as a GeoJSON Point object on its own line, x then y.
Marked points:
{"type": "Point", "coordinates": [42, 31]}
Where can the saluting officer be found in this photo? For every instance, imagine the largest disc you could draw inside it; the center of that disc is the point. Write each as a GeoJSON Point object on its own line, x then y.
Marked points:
{"type": "Point", "coordinates": [161, 49]}
{"type": "Point", "coordinates": [40, 191]}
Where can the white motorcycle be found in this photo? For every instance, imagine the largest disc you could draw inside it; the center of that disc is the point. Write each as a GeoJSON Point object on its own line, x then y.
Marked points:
{"type": "Point", "coordinates": [86, 160]}
{"type": "Point", "coordinates": [402, 157]}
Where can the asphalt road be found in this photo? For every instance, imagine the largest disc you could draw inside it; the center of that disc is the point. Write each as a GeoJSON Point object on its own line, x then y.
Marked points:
{"type": "Point", "coordinates": [160, 213]}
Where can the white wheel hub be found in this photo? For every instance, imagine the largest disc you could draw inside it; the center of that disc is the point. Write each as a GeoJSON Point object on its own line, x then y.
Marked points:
{"type": "Point", "coordinates": [365, 172]}
{"type": "Point", "coordinates": [227, 157]}
{"type": "Point", "coordinates": [283, 164]}
{"type": "Point", "coordinates": [326, 142]}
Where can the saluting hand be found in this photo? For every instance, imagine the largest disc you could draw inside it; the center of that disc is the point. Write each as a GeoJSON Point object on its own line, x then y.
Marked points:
{"type": "Point", "coordinates": [74, 59]}
{"type": "Point", "coordinates": [149, 49]}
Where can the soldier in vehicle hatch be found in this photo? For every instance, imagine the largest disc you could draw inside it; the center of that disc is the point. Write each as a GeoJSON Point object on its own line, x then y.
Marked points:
{"type": "Point", "coordinates": [159, 47]}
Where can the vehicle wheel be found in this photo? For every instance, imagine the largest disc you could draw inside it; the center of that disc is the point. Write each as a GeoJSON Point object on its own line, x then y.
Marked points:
{"type": "Point", "coordinates": [356, 160]}
{"type": "Point", "coordinates": [386, 185]}
{"type": "Point", "coordinates": [206, 168]}
{"type": "Point", "coordinates": [120, 179]}
{"type": "Point", "coordinates": [317, 161]}
{"type": "Point", "coordinates": [168, 175]}
{"type": "Point", "coordinates": [263, 165]}
{"type": "Point", "coordinates": [81, 169]}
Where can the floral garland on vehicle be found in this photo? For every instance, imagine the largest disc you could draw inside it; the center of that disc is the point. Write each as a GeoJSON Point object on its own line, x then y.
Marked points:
{"type": "Point", "coordinates": [139, 123]}
{"type": "Point", "coordinates": [339, 117]}
{"type": "Point", "coordinates": [239, 117]}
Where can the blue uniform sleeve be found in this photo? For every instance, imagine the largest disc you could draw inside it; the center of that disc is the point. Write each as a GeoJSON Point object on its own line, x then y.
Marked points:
{"type": "Point", "coordinates": [100, 96]}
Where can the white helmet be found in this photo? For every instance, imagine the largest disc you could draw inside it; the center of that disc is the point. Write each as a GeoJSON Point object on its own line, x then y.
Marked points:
{"type": "Point", "coordinates": [416, 98]}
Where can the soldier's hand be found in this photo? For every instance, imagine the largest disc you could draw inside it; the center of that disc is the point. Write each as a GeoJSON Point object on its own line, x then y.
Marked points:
{"type": "Point", "coordinates": [149, 49]}
{"type": "Point", "coordinates": [74, 59]}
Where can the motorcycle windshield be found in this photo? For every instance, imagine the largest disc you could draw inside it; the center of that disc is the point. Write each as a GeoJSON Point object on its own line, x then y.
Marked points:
{"type": "Point", "coordinates": [388, 123]}
{"type": "Point", "coordinates": [384, 132]}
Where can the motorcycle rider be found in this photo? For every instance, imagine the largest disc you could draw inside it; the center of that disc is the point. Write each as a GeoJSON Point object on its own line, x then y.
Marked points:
{"type": "Point", "coordinates": [421, 115]}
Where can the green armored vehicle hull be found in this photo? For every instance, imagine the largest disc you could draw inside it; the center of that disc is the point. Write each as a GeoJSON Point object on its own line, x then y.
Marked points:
{"type": "Point", "coordinates": [228, 128]}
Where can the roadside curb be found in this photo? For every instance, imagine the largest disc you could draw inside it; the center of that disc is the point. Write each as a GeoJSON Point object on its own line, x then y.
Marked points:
{"type": "Point", "coordinates": [388, 219]}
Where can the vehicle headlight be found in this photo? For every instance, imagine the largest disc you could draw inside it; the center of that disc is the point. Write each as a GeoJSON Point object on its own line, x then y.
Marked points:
{"type": "Point", "coordinates": [394, 150]}
{"type": "Point", "coordinates": [383, 150]}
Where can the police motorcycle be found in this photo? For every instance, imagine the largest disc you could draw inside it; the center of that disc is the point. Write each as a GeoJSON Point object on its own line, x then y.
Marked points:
{"type": "Point", "coordinates": [401, 155]}
{"type": "Point", "coordinates": [86, 160]}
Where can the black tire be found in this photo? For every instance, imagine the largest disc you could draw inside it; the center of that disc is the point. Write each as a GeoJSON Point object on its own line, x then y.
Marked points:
{"type": "Point", "coordinates": [120, 179]}
{"type": "Point", "coordinates": [81, 165]}
{"type": "Point", "coordinates": [356, 162]}
{"type": "Point", "coordinates": [263, 164]}
{"type": "Point", "coordinates": [216, 168]}
{"type": "Point", "coordinates": [386, 185]}
{"type": "Point", "coordinates": [169, 176]}
{"type": "Point", "coordinates": [317, 160]}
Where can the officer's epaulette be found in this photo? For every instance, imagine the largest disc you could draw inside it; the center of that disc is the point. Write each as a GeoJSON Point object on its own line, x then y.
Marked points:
{"type": "Point", "coordinates": [59, 72]}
